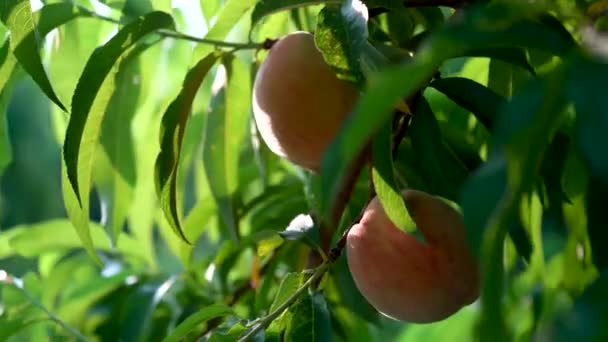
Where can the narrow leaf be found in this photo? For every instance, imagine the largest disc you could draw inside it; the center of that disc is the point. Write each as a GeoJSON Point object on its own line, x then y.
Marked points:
{"type": "Point", "coordinates": [443, 170]}
{"type": "Point", "coordinates": [311, 321]}
{"type": "Point", "coordinates": [383, 176]}
{"type": "Point", "coordinates": [92, 96]}
{"type": "Point", "coordinates": [373, 109]}
{"type": "Point", "coordinates": [229, 15]}
{"type": "Point", "coordinates": [497, 24]}
{"type": "Point", "coordinates": [89, 104]}
{"type": "Point", "coordinates": [585, 89]}
{"type": "Point", "coordinates": [289, 285]}
{"type": "Point", "coordinates": [341, 35]}
{"type": "Point", "coordinates": [197, 318]}
{"type": "Point", "coordinates": [268, 7]}
{"type": "Point", "coordinates": [472, 96]}
{"type": "Point", "coordinates": [225, 133]}
{"type": "Point", "coordinates": [24, 39]}
{"type": "Point", "coordinates": [173, 127]}
{"type": "Point", "coordinates": [117, 141]}
{"type": "Point", "coordinates": [512, 55]}
{"type": "Point", "coordinates": [7, 67]}
{"type": "Point", "coordinates": [597, 221]}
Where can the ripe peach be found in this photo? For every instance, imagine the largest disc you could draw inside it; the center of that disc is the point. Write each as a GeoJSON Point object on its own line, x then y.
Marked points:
{"type": "Point", "coordinates": [405, 278]}
{"type": "Point", "coordinates": [299, 103]}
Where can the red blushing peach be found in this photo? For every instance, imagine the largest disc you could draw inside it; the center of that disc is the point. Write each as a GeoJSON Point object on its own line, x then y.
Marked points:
{"type": "Point", "coordinates": [405, 278]}
{"type": "Point", "coordinates": [299, 103]}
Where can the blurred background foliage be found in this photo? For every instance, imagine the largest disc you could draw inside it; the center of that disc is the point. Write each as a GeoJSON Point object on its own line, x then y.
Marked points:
{"type": "Point", "coordinates": [552, 285]}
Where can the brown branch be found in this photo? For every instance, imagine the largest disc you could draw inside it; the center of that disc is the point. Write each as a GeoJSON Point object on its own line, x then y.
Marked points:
{"type": "Point", "coordinates": [329, 227]}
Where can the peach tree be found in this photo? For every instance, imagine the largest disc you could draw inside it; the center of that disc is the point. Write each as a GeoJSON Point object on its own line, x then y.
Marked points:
{"type": "Point", "coordinates": [403, 170]}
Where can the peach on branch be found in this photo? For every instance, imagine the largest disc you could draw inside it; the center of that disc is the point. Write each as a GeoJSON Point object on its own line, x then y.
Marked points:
{"type": "Point", "coordinates": [299, 103]}
{"type": "Point", "coordinates": [405, 278]}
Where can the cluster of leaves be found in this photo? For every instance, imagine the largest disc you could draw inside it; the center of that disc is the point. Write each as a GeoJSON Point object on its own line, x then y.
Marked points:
{"type": "Point", "coordinates": [193, 228]}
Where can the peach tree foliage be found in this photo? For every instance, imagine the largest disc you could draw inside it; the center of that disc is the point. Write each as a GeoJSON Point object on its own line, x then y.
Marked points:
{"type": "Point", "coordinates": [173, 220]}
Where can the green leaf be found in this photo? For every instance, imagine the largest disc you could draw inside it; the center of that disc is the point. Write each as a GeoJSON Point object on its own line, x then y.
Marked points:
{"type": "Point", "coordinates": [371, 112]}
{"type": "Point", "coordinates": [585, 89]}
{"type": "Point", "coordinates": [472, 96]}
{"type": "Point", "coordinates": [136, 8]}
{"type": "Point", "coordinates": [442, 169]}
{"type": "Point", "coordinates": [58, 234]}
{"type": "Point", "coordinates": [497, 24]}
{"type": "Point", "coordinates": [117, 140]}
{"type": "Point", "coordinates": [197, 318]}
{"type": "Point", "coordinates": [225, 132]}
{"type": "Point", "coordinates": [401, 25]}
{"type": "Point", "coordinates": [7, 64]}
{"type": "Point", "coordinates": [597, 221]}
{"type": "Point", "coordinates": [140, 306]}
{"type": "Point", "coordinates": [6, 153]}
{"type": "Point", "coordinates": [267, 7]}
{"type": "Point", "coordinates": [89, 104]}
{"type": "Point", "coordinates": [232, 334]}
{"type": "Point", "coordinates": [209, 8]}
{"type": "Point", "coordinates": [341, 35]}
{"type": "Point", "coordinates": [18, 17]}
{"type": "Point", "coordinates": [511, 170]}
{"type": "Point", "coordinates": [585, 320]}
{"type": "Point", "coordinates": [289, 285]}
{"type": "Point", "coordinates": [512, 55]}
{"type": "Point", "coordinates": [503, 24]}
{"type": "Point", "coordinates": [172, 131]}
{"type": "Point", "coordinates": [311, 320]}
{"type": "Point", "coordinates": [229, 15]}
{"type": "Point", "coordinates": [385, 184]}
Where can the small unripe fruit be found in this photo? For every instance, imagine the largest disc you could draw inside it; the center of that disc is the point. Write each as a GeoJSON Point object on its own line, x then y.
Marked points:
{"type": "Point", "coordinates": [405, 278]}
{"type": "Point", "coordinates": [299, 103]}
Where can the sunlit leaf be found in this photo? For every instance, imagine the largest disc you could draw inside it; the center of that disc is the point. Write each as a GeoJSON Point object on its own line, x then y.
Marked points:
{"type": "Point", "coordinates": [54, 235]}
{"type": "Point", "coordinates": [171, 136]}
{"type": "Point", "coordinates": [341, 35]}
{"type": "Point", "coordinates": [225, 131]}
{"type": "Point", "coordinates": [117, 141]}
{"type": "Point", "coordinates": [89, 104]}
{"type": "Point", "coordinates": [228, 16]}
{"type": "Point", "coordinates": [18, 17]}
{"type": "Point", "coordinates": [385, 184]}
{"type": "Point", "coordinates": [269, 7]}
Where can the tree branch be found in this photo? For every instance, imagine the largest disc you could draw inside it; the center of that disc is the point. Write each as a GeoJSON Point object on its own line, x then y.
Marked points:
{"type": "Point", "coordinates": [178, 35]}
{"type": "Point", "coordinates": [266, 320]}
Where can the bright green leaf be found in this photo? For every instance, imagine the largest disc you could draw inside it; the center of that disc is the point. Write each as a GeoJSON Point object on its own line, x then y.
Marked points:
{"type": "Point", "coordinates": [89, 105]}
{"type": "Point", "coordinates": [385, 184]}
{"type": "Point", "coordinates": [269, 7]}
{"type": "Point", "coordinates": [225, 132]}
{"type": "Point", "coordinates": [341, 35]}
{"type": "Point", "coordinates": [18, 17]}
